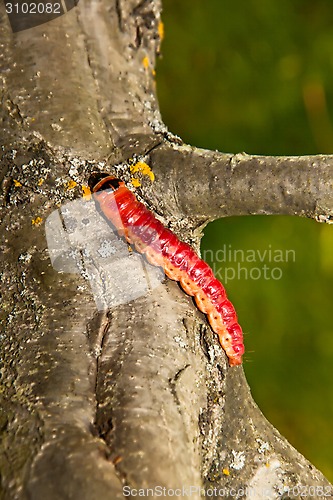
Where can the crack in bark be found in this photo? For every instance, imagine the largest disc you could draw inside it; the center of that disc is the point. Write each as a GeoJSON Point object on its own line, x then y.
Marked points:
{"type": "Point", "coordinates": [151, 149]}
{"type": "Point", "coordinates": [142, 4]}
{"type": "Point", "coordinates": [173, 385]}
{"type": "Point", "coordinates": [97, 330]}
{"type": "Point", "coordinates": [119, 15]}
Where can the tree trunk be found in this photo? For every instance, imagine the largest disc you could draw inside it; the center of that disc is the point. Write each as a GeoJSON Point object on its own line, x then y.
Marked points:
{"type": "Point", "coordinates": [139, 395]}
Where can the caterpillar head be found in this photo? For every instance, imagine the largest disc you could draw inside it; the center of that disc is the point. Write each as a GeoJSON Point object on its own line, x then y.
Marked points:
{"type": "Point", "coordinates": [100, 181]}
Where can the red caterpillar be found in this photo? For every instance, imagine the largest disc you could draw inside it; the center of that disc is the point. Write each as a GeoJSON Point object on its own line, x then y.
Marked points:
{"type": "Point", "coordinates": [179, 262]}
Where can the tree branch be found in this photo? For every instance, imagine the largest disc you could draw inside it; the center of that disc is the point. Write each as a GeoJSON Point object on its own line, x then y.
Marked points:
{"type": "Point", "coordinates": [241, 184]}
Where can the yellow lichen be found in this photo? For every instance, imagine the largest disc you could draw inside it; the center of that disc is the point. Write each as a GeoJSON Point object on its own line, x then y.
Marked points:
{"type": "Point", "coordinates": [226, 472]}
{"type": "Point", "coordinates": [161, 30]}
{"type": "Point", "coordinates": [17, 183]}
{"type": "Point", "coordinates": [145, 62]}
{"type": "Point", "coordinates": [86, 192]}
{"type": "Point", "coordinates": [37, 221]}
{"type": "Point", "coordinates": [143, 168]}
{"type": "Point", "coordinates": [135, 182]}
{"type": "Point", "coordinates": [40, 182]}
{"type": "Point", "coordinates": [70, 185]}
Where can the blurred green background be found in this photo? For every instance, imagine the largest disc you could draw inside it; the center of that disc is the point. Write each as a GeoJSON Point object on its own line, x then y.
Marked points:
{"type": "Point", "coordinates": [253, 76]}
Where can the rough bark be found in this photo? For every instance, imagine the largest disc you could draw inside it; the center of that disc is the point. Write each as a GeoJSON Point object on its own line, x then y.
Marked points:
{"type": "Point", "coordinates": [140, 395]}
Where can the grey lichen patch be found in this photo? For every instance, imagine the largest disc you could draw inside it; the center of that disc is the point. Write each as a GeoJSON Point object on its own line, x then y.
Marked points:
{"type": "Point", "coordinates": [326, 219]}
{"type": "Point", "coordinates": [36, 174]}
{"type": "Point", "coordinates": [264, 446]}
{"type": "Point", "coordinates": [212, 415]}
{"type": "Point", "coordinates": [238, 460]}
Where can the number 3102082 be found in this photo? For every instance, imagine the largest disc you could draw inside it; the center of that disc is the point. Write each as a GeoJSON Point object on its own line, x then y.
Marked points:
{"type": "Point", "coordinates": [33, 8]}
